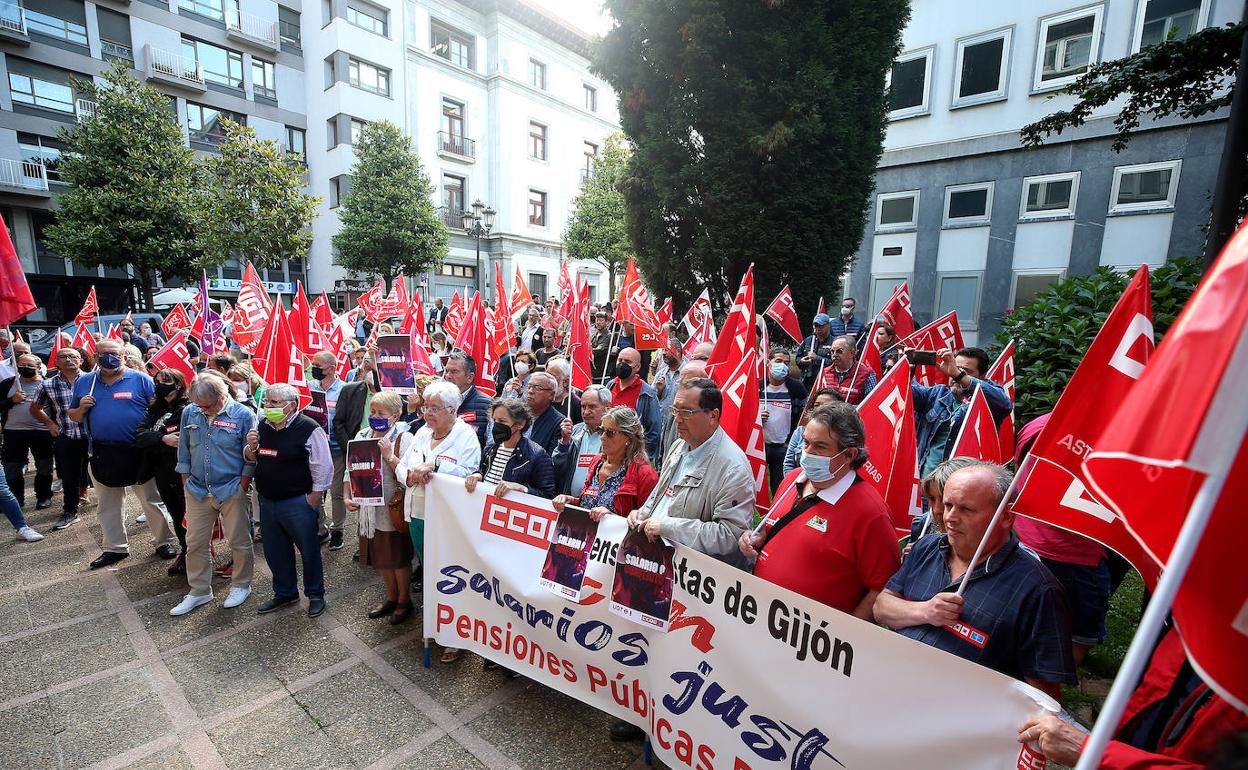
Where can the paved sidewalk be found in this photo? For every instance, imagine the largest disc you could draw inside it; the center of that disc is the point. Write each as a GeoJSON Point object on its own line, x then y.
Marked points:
{"type": "Point", "coordinates": [95, 673]}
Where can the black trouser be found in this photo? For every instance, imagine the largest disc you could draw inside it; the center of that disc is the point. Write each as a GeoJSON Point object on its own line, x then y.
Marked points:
{"type": "Point", "coordinates": [18, 444]}
{"type": "Point", "coordinates": [173, 495]}
{"type": "Point", "coordinates": [71, 466]}
{"type": "Point", "coordinates": [775, 464]}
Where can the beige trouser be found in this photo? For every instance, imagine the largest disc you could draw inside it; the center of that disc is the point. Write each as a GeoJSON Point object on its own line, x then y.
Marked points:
{"type": "Point", "coordinates": [201, 517]}
{"type": "Point", "coordinates": [334, 501]}
{"type": "Point", "coordinates": [114, 525]}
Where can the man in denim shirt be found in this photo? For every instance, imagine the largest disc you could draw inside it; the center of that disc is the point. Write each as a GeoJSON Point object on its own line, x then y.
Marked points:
{"type": "Point", "coordinates": [211, 439]}
{"type": "Point", "coordinates": [940, 409]}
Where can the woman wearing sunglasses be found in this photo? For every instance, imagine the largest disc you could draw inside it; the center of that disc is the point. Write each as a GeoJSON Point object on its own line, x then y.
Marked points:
{"type": "Point", "coordinates": [621, 478]}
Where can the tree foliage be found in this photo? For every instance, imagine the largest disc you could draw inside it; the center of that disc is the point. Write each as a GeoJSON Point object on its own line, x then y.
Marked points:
{"type": "Point", "coordinates": [132, 184]}
{"type": "Point", "coordinates": [389, 224]}
{"type": "Point", "coordinates": [252, 202]}
{"type": "Point", "coordinates": [756, 129]}
{"type": "Point", "coordinates": [1053, 331]}
{"type": "Point", "coordinates": [596, 230]}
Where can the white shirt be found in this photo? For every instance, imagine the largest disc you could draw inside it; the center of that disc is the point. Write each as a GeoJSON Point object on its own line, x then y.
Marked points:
{"type": "Point", "coordinates": [459, 454]}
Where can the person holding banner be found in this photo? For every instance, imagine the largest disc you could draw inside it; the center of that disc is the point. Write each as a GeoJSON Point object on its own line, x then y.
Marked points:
{"type": "Point", "coordinates": [293, 471]}
{"type": "Point", "coordinates": [940, 409]}
{"type": "Point", "coordinates": [620, 478]}
{"type": "Point", "coordinates": [1012, 617]}
{"type": "Point", "coordinates": [580, 442]}
{"type": "Point", "coordinates": [382, 546]}
{"type": "Point", "coordinates": [513, 463]}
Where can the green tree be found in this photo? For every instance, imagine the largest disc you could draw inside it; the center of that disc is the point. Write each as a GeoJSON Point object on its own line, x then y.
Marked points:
{"type": "Point", "coordinates": [389, 224]}
{"type": "Point", "coordinates": [596, 230]}
{"type": "Point", "coordinates": [252, 202]}
{"type": "Point", "coordinates": [131, 178]}
{"type": "Point", "coordinates": [756, 129]}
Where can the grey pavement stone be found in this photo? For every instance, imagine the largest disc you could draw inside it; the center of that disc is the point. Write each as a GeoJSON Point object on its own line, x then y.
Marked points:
{"type": "Point", "coordinates": [83, 595]}
{"type": "Point", "coordinates": [243, 741]}
{"type": "Point", "coordinates": [221, 676]}
{"type": "Point", "coordinates": [172, 758]}
{"type": "Point", "coordinates": [445, 754]}
{"type": "Point", "coordinates": [455, 685]}
{"type": "Point", "coordinates": [116, 732]}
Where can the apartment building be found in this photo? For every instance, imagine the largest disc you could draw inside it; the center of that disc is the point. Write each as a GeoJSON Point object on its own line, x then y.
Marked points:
{"type": "Point", "coordinates": [978, 224]}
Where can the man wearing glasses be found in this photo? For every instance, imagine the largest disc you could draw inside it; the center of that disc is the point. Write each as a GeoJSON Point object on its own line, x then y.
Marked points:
{"type": "Point", "coordinates": [539, 396]}
{"type": "Point", "coordinates": [705, 495]}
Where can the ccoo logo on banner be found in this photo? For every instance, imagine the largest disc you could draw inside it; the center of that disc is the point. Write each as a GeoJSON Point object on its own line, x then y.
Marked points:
{"type": "Point", "coordinates": [748, 675]}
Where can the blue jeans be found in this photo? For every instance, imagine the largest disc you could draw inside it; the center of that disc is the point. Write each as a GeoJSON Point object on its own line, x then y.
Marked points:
{"type": "Point", "coordinates": [286, 525]}
{"type": "Point", "coordinates": [8, 504]}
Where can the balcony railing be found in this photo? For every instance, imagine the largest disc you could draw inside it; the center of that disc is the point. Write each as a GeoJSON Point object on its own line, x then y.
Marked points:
{"type": "Point", "coordinates": [24, 174]}
{"type": "Point", "coordinates": [456, 144]}
{"type": "Point", "coordinates": [452, 217]}
{"type": "Point", "coordinates": [172, 66]}
{"type": "Point", "coordinates": [84, 108]}
{"type": "Point", "coordinates": [13, 18]}
{"type": "Point", "coordinates": [586, 175]}
{"type": "Point", "coordinates": [252, 28]}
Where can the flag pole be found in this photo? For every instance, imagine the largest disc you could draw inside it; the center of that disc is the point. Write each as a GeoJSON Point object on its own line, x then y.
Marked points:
{"type": "Point", "coordinates": [606, 364]}
{"type": "Point", "coordinates": [996, 517]}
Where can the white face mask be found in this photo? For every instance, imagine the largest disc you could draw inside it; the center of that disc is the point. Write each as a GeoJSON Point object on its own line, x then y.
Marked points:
{"type": "Point", "coordinates": [522, 368]}
{"type": "Point", "coordinates": [818, 468]}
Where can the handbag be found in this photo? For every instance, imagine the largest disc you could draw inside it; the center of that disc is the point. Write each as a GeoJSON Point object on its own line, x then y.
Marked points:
{"type": "Point", "coordinates": [394, 503]}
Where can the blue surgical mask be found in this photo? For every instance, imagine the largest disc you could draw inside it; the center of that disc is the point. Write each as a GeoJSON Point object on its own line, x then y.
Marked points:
{"type": "Point", "coordinates": [109, 361]}
{"type": "Point", "coordinates": [779, 371]}
{"type": "Point", "coordinates": [379, 424]}
{"type": "Point", "coordinates": [818, 468]}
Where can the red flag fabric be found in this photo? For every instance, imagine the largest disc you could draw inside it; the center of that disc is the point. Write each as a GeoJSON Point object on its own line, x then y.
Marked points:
{"type": "Point", "coordinates": [520, 296]}
{"type": "Point", "coordinates": [83, 339]}
{"type": "Point", "coordinates": [944, 332]}
{"type": "Point", "coordinates": [251, 311]}
{"type": "Point", "coordinates": [322, 312]}
{"type": "Point", "coordinates": [336, 341]}
{"type": "Point", "coordinates": [781, 311]}
{"type": "Point", "coordinates": [59, 340]}
{"type": "Point", "coordinates": [90, 307]}
{"type": "Point", "coordinates": [281, 363]}
{"type": "Point", "coordinates": [578, 345]}
{"type": "Point", "coordinates": [1056, 489]}
{"type": "Point", "coordinates": [16, 301]}
{"type": "Point", "coordinates": [892, 453]}
{"type": "Point", "coordinates": [414, 326]}
{"type": "Point", "coordinates": [475, 340]}
{"type": "Point", "coordinates": [178, 319]}
{"type": "Point", "coordinates": [665, 312]}
{"type": "Point", "coordinates": [174, 354]}
{"type": "Point", "coordinates": [1002, 373]}
{"type": "Point", "coordinates": [978, 436]}
{"type": "Point", "coordinates": [699, 314]}
{"type": "Point", "coordinates": [738, 335]}
{"type": "Point", "coordinates": [114, 332]}
{"type": "Point", "coordinates": [897, 311]}
{"type": "Point", "coordinates": [454, 317]}
{"type": "Point", "coordinates": [636, 304]}
{"type": "Point", "coordinates": [304, 329]}
{"type": "Point", "coordinates": [395, 303]}
{"type": "Point", "coordinates": [372, 302]}
{"type": "Point", "coordinates": [872, 357]}
{"type": "Point", "coordinates": [501, 303]}
{"type": "Point", "coordinates": [567, 290]}
{"type": "Point", "coordinates": [1162, 444]}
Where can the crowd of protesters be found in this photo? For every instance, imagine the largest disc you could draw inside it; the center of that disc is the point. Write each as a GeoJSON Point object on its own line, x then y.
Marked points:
{"type": "Point", "coordinates": [222, 454]}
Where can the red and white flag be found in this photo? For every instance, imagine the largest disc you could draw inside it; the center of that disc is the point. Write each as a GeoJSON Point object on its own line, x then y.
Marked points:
{"type": "Point", "coordinates": [567, 290]}
{"type": "Point", "coordinates": [281, 362]}
{"type": "Point", "coordinates": [83, 339]}
{"type": "Point", "coordinates": [178, 319]}
{"type": "Point", "coordinates": [322, 312]}
{"type": "Point", "coordinates": [336, 341]}
{"type": "Point", "coordinates": [892, 451]}
{"type": "Point", "coordinates": [1056, 489]}
{"type": "Point", "coordinates": [59, 340]}
{"type": "Point", "coordinates": [308, 337]}
{"type": "Point", "coordinates": [578, 345]}
{"type": "Point", "coordinates": [781, 311]}
{"type": "Point", "coordinates": [665, 312]}
{"type": "Point", "coordinates": [475, 340]}
{"type": "Point", "coordinates": [820, 309]}
{"type": "Point", "coordinates": [114, 332]}
{"type": "Point", "coordinates": [1002, 373]}
{"type": "Point", "coordinates": [251, 311]}
{"type": "Point", "coordinates": [174, 354]}
{"type": "Point", "coordinates": [636, 304]}
{"type": "Point", "coordinates": [454, 317]}
{"type": "Point", "coordinates": [700, 322]}
{"type": "Point", "coordinates": [872, 357]}
{"type": "Point", "coordinates": [897, 311]}
{"type": "Point", "coordinates": [1184, 422]}
{"type": "Point", "coordinates": [413, 325]}
{"type": "Point", "coordinates": [501, 303]}
{"type": "Point", "coordinates": [16, 301]}
{"type": "Point", "coordinates": [978, 437]}
{"type": "Point", "coordinates": [521, 299]}
{"type": "Point", "coordinates": [395, 303]}
{"type": "Point", "coordinates": [372, 302]}
{"type": "Point", "coordinates": [944, 332]}
{"type": "Point", "coordinates": [90, 309]}
{"type": "Point", "coordinates": [738, 336]}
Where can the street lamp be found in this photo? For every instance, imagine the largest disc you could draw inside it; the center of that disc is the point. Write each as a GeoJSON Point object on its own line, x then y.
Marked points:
{"type": "Point", "coordinates": [478, 221]}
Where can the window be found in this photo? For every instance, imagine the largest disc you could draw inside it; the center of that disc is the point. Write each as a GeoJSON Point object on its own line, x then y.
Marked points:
{"type": "Point", "coordinates": [1027, 285]}
{"type": "Point", "coordinates": [1159, 21]}
{"type": "Point", "coordinates": [453, 197]}
{"type": "Point", "coordinates": [339, 189]}
{"type": "Point", "coordinates": [907, 84]}
{"type": "Point", "coordinates": [882, 288]}
{"type": "Point", "coordinates": [357, 129]}
{"type": "Point", "coordinates": [537, 74]}
{"type": "Point", "coordinates": [1145, 187]}
{"type": "Point", "coordinates": [458, 271]}
{"type": "Point", "coordinates": [968, 204]}
{"type": "Point", "coordinates": [451, 44]}
{"type": "Point", "coordinates": [1069, 44]}
{"type": "Point", "coordinates": [213, 9]}
{"type": "Point", "coordinates": [61, 19]}
{"type": "Point", "coordinates": [591, 98]}
{"type": "Point", "coordinates": [537, 209]}
{"type": "Point", "coordinates": [288, 27]}
{"type": "Point", "coordinates": [980, 68]}
{"type": "Point", "coordinates": [1049, 197]}
{"type": "Point", "coordinates": [221, 65]}
{"type": "Point", "coordinates": [896, 211]}
{"type": "Point", "coordinates": [296, 142]}
{"type": "Point", "coordinates": [591, 152]}
{"type": "Point", "coordinates": [114, 35]}
{"type": "Point", "coordinates": [40, 90]}
{"type": "Point", "coordinates": [205, 123]}
{"type": "Point", "coordinates": [537, 141]}
{"type": "Point", "coordinates": [368, 77]}
{"type": "Point", "coordinates": [367, 17]}
{"type": "Point", "coordinates": [453, 119]}
{"type": "Point", "coordinates": [959, 293]}
{"type": "Point", "coordinates": [43, 151]}
{"type": "Point", "coordinates": [537, 285]}
{"type": "Point", "coordinates": [263, 78]}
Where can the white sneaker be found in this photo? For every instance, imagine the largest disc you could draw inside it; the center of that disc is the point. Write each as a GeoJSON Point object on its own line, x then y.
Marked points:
{"type": "Point", "coordinates": [140, 519]}
{"type": "Point", "coordinates": [189, 603]}
{"type": "Point", "coordinates": [29, 535]}
{"type": "Point", "coordinates": [236, 597]}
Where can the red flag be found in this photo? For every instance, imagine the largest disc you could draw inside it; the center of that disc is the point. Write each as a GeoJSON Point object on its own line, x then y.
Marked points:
{"type": "Point", "coordinates": [252, 310]}
{"type": "Point", "coordinates": [454, 317]}
{"type": "Point", "coordinates": [336, 341]}
{"type": "Point", "coordinates": [636, 305]}
{"type": "Point", "coordinates": [892, 455]}
{"type": "Point", "coordinates": [897, 311]}
{"type": "Point", "coordinates": [944, 332]}
{"type": "Point", "coordinates": [83, 339]}
{"type": "Point", "coordinates": [16, 301]}
{"type": "Point", "coordinates": [872, 357]}
{"type": "Point", "coordinates": [738, 335]}
{"type": "Point", "coordinates": [978, 436]}
{"type": "Point", "coordinates": [699, 314]}
{"type": "Point", "coordinates": [372, 302]}
{"type": "Point", "coordinates": [578, 345]}
{"type": "Point", "coordinates": [520, 296]}
{"type": "Point", "coordinates": [567, 290]}
{"type": "Point", "coordinates": [501, 303]}
{"type": "Point", "coordinates": [59, 340]}
{"type": "Point", "coordinates": [781, 311]}
{"type": "Point", "coordinates": [322, 312]}
{"type": "Point", "coordinates": [114, 332]}
{"type": "Point", "coordinates": [414, 326]}
{"type": "Point", "coordinates": [665, 312]}
{"type": "Point", "coordinates": [1002, 373]}
{"type": "Point", "coordinates": [820, 310]}
{"type": "Point", "coordinates": [307, 334]}
{"type": "Point", "coordinates": [174, 354]}
{"type": "Point", "coordinates": [282, 363]}
{"type": "Point", "coordinates": [396, 301]}
{"type": "Point", "coordinates": [475, 340]}
{"type": "Point", "coordinates": [1181, 424]}
{"type": "Point", "coordinates": [90, 308]}
{"type": "Point", "coordinates": [175, 321]}
{"type": "Point", "coordinates": [1056, 491]}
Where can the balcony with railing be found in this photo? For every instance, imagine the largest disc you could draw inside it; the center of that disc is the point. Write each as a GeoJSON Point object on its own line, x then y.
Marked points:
{"type": "Point", "coordinates": [13, 22]}
{"type": "Point", "coordinates": [456, 145]}
{"type": "Point", "coordinates": [23, 176]}
{"type": "Point", "coordinates": [452, 217]}
{"type": "Point", "coordinates": [84, 108]}
{"type": "Point", "coordinates": [170, 67]}
{"type": "Point", "coordinates": [586, 175]}
{"type": "Point", "coordinates": [249, 28]}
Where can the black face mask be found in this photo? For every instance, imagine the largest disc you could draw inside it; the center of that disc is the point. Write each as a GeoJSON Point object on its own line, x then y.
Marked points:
{"type": "Point", "coordinates": [318, 373]}
{"type": "Point", "coordinates": [27, 371]}
{"type": "Point", "coordinates": [163, 389]}
{"type": "Point", "coordinates": [501, 433]}
{"type": "Point", "coordinates": [623, 371]}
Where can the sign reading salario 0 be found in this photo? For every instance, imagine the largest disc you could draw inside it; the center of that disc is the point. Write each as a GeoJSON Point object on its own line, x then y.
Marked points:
{"type": "Point", "coordinates": [748, 675]}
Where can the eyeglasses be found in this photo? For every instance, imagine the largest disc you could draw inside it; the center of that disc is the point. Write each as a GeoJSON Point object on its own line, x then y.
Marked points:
{"type": "Point", "coordinates": [429, 408]}
{"type": "Point", "coordinates": [532, 388]}
{"type": "Point", "coordinates": [610, 432]}
{"type": "Point", "coordinates": [685, 414]}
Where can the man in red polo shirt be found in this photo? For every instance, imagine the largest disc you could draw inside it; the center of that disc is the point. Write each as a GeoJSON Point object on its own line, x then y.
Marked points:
{"type": "Point", "coordinates": [828, 535]}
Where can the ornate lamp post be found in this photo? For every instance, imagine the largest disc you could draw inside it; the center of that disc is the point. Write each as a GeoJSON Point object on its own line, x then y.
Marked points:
{"type": "Point", "coordinates": [478, 221]}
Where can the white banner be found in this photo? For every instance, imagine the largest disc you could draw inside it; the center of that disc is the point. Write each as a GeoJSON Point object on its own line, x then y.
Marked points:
{"type": "Point", "coordinates": [749, 675]}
